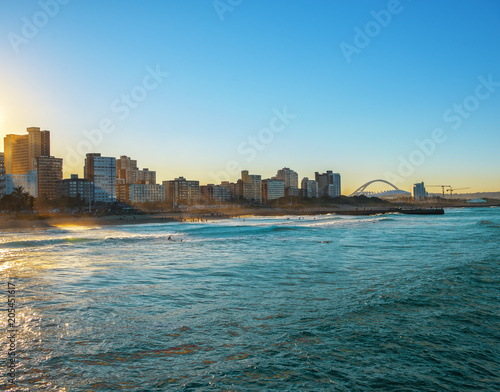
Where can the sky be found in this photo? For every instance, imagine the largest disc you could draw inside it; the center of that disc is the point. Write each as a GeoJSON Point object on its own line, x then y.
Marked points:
{"type": "Point", "coordinates": [405, 91]}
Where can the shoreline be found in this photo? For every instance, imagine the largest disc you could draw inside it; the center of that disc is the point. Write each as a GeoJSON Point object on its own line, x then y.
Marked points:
{"type": "Point", "coordinates": [37, 222]}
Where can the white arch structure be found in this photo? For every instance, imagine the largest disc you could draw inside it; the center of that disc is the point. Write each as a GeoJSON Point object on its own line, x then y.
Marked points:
{"type": "Point", "coordinates": [361, 190]}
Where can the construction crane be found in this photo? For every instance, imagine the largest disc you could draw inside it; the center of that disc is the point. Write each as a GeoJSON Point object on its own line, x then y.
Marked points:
{"type": "Point", "coordinates": [454, 189]}
{"type": "Point", "coordinates": [442, 186]}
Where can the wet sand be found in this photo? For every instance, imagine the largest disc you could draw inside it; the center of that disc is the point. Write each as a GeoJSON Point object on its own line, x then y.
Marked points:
{"type": "Point", "coordinates": [34, 222]}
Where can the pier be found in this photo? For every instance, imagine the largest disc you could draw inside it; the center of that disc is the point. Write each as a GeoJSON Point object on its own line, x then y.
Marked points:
{"type": "Point", "coordinates": [392, 210]}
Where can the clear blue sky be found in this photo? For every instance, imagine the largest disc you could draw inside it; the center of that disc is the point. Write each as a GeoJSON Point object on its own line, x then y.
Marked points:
{"type": "Point", "coordinates": [358, 109]}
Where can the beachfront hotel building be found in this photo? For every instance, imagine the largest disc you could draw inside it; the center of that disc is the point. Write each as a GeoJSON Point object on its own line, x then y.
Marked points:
{"type": "Point", "coordinates": [328, 183]}
{"type": "Point", "coordinates": [289, 177]}
{"type": "Point", "coordinates": [102, 172]}
{"type": "Point", "coordinates": [231, 188]}
{"type": "Point", "coordinates": [145, 193]}
{"type": "Point", "coordinates": [291, 180]}
{"type": "Point", "coordinates": [2, 175]}
{"type": "Point", "coordinates": [134, 185]}
{"type": "Point", "coordinates": [25, 154]}
{"type": "Point", "coordinates": [272, 189]}
{"type": "Point", "coordinates": [250, 186]}
{"type": "Point", "coordinates": [21, 151]}
{"type": "Point", "coordinates": [127, 170]}
{"type": "Point", "coordinates": [49, 173]}
{"type": "Point", "coordinates": [76, 187]}
{"type": "Point", "coordinates": [181, 191]}
{"type": "Point", "coordinates": [309, 188]}
{"type": "Point", "coordinates": [216, 193]}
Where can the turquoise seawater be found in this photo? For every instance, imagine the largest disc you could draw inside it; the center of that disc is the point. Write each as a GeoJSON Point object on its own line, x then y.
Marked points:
{"type": "Point", "coordinates": [325, 303]}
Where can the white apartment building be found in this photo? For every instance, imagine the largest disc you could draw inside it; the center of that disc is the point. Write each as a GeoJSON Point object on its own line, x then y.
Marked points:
{"type": "Point", "coordinates": [102, 172]}
{"type": "Point", "coordinates": [28, 181]}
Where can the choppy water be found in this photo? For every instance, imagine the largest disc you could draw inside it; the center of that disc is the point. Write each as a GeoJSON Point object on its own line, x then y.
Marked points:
{"type": "Point", "coordinates": [326, 303]}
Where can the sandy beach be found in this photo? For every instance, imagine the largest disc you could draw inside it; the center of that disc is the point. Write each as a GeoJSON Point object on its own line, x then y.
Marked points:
{"type": "Point", "coordinates": [44, 222]}
{"type": "Point", "coordinates": [36, 222]}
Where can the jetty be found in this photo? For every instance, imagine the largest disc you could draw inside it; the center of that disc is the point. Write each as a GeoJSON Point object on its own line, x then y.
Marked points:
{"type": "Point", "coordinates": [392, 210]}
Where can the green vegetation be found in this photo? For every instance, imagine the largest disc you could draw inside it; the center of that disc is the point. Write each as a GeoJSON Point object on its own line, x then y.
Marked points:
{"type": "Point", "coordinates": [18, 201]}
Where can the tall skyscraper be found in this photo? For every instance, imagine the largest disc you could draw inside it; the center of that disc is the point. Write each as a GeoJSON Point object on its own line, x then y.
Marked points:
{"type": "Point", "coordinates": [28, 154]}
{"type": "Point", "coordinates": [102, 172]}
{"type": "Point", "coordinates": [328, 184]}
{"type": "Point", "coordinates": [38, 145]}
{"type": "Point", "coordinates": [16, 154]}
{"type": "Point", "coordinates": [21, 151]}
{"type": "Point", "coordinates": [49, 172]}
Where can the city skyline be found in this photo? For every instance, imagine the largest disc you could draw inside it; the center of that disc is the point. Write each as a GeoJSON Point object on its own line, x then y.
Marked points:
{"type": "Point", "coordinates": [370, 90]}
{"type": "Point", "coordinates": [28, 164]}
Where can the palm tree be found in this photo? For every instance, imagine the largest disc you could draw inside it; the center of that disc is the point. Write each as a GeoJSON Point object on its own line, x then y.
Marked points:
{"type": "Point", "coordinates": [22, 199]}
{"type": "Point", "coordinates": [18, 192]}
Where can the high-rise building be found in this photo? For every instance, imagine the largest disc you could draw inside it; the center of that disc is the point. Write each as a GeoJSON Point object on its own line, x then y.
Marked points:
{"type": "Point", "coordinates": [250, 186]}
{"type": "Point", "coordinates": [309, 188]}
{"type": "Point", "coordinates": [328, 184]}
{"type": "Point", "coordinates": [146, 176]}
{"type": "Point", "coordinates": [231, 188]}
{"type": "Point", "coordinates": [38, 146]}
{"type": "Point", "coordinates": [289, 177]}
{"type": "Point", "coordinates": [127, 174]}
{"type": "Point", "coordinates": [74, 187]}
{"type": "Point", "coordinates": [272, 189]}
{"type": "Point", "coordinates": [419, 192]}
{"type": "Point", "coordinates": [49, 173]}
{"type": "Point", "coordinates": [102, 172]}
{"type": "Point", "coordinates": [16, 154]}
{"type": "Point", "coordinates": [2, 175]}
{"type": "Point", "coordinates": [127, 170]}
{"type": "Point", "coordinates": [181, 191]}
{"type": "Point", "coordinates": [21, 151]}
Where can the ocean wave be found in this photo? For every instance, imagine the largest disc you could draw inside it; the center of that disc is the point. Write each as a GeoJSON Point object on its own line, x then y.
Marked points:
{"type": "Point", "coordinates": [91, 241]}
{"type": "Point", "coordinates": [46, 242]}
{"type": "Point", "coordinates": [240, 230]}
{"type": "Point", "coordinates": [386, 219]}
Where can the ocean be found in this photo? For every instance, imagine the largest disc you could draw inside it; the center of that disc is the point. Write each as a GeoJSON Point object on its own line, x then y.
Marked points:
{"type": "Point", "coordinates": [323, 303]}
